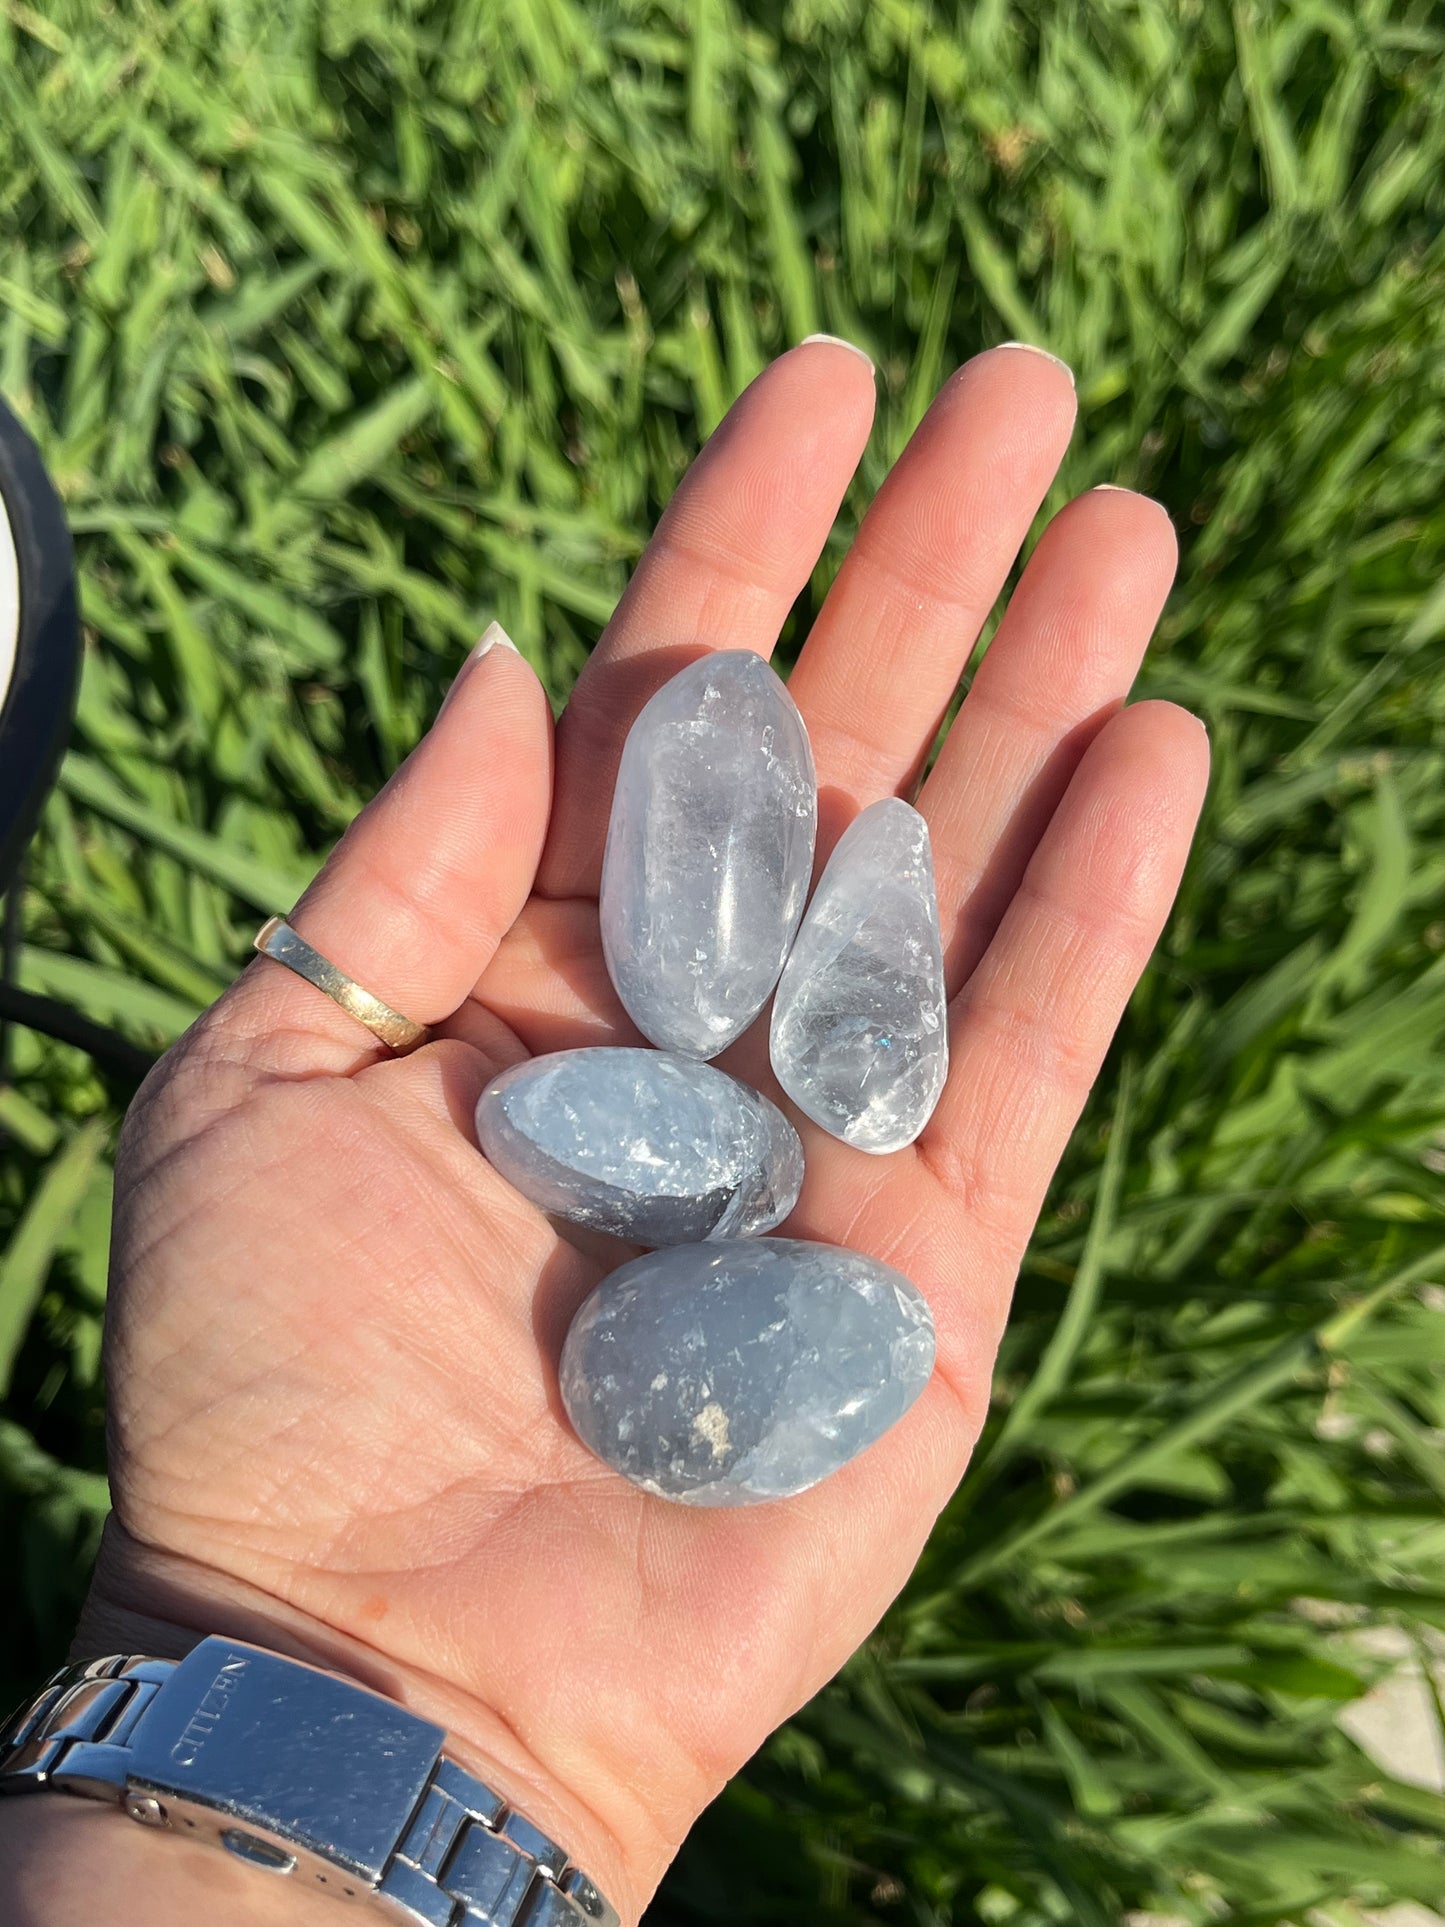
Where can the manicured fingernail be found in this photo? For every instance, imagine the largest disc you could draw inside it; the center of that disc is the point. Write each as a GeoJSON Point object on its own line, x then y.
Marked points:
{"type": "Point", "coordinates": [1113, 488]}
{"type": "Point", "coordinates": [837, 341]}
{"type": "Point", "coordinates": [492, 636]}
{"type": "Point", "coordinates": [1044, 355]}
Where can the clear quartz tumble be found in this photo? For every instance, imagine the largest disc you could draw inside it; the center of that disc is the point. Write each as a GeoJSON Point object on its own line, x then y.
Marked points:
{"type": "Point", "coordinates": [709, 852]}
{"type": "Point", "coordinates": [859, 1035]}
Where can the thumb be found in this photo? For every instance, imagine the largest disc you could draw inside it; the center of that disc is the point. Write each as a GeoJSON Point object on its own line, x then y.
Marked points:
{"type": "Point", "coordinates": [424, 884]}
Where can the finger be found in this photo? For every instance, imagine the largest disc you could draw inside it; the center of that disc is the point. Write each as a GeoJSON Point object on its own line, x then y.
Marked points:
{"type": "Point", "coordinates": [1028, 1032]}
{"type": "Point", "coordinates": [929, 561]}
{"type": "Point", "coordinates": [731, 554]}
{"type": "Point", "coordinates": [1065, 655]}
{"type": "Point", "coordinates": [420, 890]}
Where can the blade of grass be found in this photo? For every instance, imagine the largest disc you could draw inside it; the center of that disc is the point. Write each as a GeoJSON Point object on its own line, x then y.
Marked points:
{"type": "Point", "coordinates": [26, 1263]}
{"type": "Point", "coordinates": [1238, 1393]}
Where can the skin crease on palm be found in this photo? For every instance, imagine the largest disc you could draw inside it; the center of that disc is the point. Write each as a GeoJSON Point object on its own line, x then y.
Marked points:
{"type": "Point", "coordinates": [334, 1330]}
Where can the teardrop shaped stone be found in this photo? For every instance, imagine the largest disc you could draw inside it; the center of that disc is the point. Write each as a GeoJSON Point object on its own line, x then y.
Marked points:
{"type": "Point", "coordinates": [654, 1148]}
{"type": "Point", "coordinates": [729, 1374]}
{"type": "Point", "coordinates": [859, 1034]}
{"type": "Point", "coordinates": [709, 852]}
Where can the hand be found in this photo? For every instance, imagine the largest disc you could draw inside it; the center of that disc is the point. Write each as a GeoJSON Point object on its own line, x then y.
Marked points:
{"type": "Point", "coordinates": [334, 1329]}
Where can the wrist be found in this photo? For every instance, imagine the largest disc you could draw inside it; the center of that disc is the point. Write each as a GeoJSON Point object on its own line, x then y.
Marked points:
{"type": "Point", "coordinates": [146, 1601]}
{"type": "Point", "coordinates": [72, 1863]}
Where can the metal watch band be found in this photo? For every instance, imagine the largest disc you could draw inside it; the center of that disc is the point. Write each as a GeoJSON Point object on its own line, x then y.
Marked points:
{"type": "Point", "coordinates": [298, 1772]}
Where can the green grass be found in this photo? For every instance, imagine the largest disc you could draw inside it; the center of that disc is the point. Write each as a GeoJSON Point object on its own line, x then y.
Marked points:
{"type": "Point", "coordinates": [346, 326]}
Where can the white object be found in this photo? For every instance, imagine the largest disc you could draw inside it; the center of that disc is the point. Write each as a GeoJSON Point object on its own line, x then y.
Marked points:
{"type": "Point", "coordinates": [9, 602]}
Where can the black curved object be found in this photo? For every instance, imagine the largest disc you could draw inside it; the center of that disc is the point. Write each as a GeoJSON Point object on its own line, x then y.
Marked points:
{"type": "Point", "coordinates": [110, 1050]}
{"type": "Point", "coordinates": [36, 709]}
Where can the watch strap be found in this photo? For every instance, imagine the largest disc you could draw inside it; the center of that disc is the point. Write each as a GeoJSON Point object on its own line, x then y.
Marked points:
{"type": "Point", "coordinates": [463, 1857]}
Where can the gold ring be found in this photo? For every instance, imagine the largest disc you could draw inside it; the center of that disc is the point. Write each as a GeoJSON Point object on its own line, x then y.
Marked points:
{"type": "Point", "coordinates": [277, 939]}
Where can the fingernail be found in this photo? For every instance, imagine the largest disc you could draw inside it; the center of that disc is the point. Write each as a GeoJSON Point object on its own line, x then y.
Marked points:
{"type": "Point", "coordinates": [493, 635]}
{"type": "Point", "coordinates": [1114, 488]}
{"type": "Point", "coordinates": [837, 341]}
{"type": "Point", "coordinates": [1043, 353]}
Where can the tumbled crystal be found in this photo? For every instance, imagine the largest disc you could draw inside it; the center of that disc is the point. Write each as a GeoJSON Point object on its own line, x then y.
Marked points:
{"type": "Point", "coordinates": [860, 1023]}
{"type": "Point", "coordinates": [728, 1374]}
{"type": "Point", "coordinates": [655, 1148]}
{"type": "Point", "coordinates": [709, 852]}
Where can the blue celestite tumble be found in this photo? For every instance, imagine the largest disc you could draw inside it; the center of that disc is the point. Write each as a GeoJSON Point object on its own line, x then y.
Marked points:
{"type": "Point", "coordinates": [655, 1148]}
{"type": "Point", "coordinates": [727, 1374]}
{"type": "Point", "coordinates": [709, 852]}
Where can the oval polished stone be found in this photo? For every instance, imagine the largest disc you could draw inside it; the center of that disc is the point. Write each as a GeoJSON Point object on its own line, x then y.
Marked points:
{"type": "Point", "coordinates": [724, 1375]}
{"type": "Point", "coordinates": [709, 852]}
{"type": "Point", "coordinates": [859, 1036]}
{"type": "Point", "coordinates": [654, 1148]}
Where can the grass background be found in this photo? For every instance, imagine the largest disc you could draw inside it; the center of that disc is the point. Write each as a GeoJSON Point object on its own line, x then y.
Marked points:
{"type": "Point", "coordinates": [344, 326]}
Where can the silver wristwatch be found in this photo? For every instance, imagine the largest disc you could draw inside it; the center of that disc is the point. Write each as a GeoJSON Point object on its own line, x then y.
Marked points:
{"type": "Point", "coordinates": [301, 1773]}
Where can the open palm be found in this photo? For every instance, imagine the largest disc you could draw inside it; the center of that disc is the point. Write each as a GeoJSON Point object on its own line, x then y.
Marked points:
{"type": "Point", "coordinates": [334, 1329]}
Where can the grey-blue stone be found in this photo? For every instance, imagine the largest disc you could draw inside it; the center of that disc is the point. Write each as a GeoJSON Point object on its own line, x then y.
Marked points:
{"type": "Point", "coordinates": [709, 852]}
{"type": "Point", "coordinates": [729, 1374]}
{"type": "Point", "coordinates": [655, 1148]}
{"type": "Point", "coordinates": [859, 1035]}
